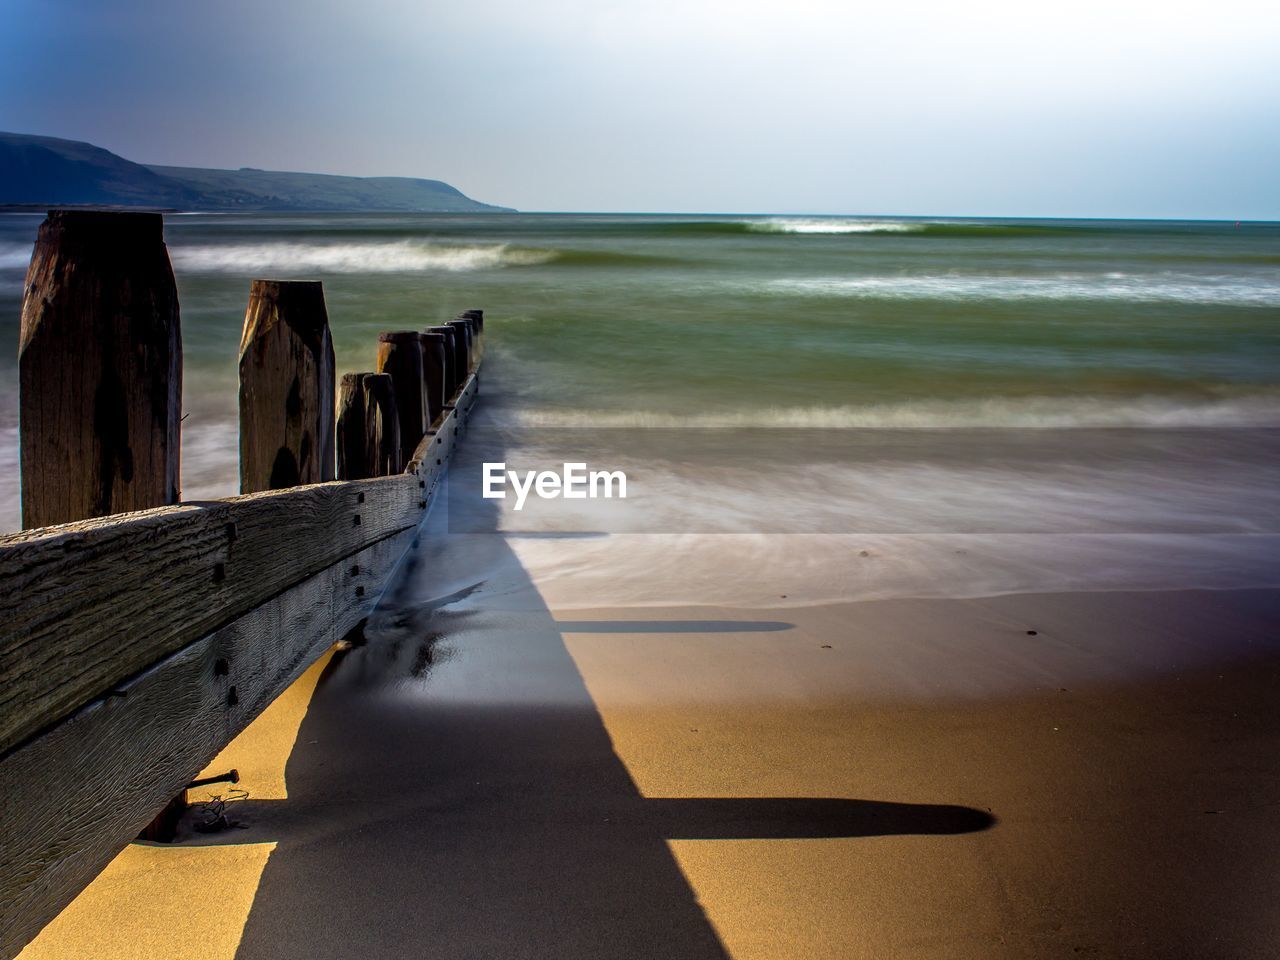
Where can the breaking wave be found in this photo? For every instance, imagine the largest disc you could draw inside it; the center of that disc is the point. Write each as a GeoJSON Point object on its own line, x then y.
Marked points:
{"type": "Point", "coordinates": [1150, 288]}
{"type": "Point", "coordinates": [405, 256]}
{"type": "Point", "coordinates": [1257, 409]}
{"type": "Point", "coordinates": [14, 256]}
{"type": "Point", "coordinates": [946, 228]}
{"type": "Point", "coordinates": [832, 226]}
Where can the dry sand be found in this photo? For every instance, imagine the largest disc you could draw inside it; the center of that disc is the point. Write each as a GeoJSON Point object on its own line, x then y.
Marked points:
{"type": "Point", "coordinates": [911, 778]}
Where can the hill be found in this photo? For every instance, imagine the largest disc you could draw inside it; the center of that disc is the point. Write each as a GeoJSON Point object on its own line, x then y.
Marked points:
{"type": "Point", "coordinates": [50, 171]}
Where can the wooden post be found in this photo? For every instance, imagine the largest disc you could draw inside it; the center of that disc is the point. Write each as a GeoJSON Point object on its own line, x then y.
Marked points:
{"type": "Point", "coordinates": [433, 374]}
{"type": "Point", "coordinates": [451, 379]}
{"type": "Point", "coordinates": [464, 352]}
{"type": "Point", "coordinates": [400, 355]}
{"type": "Point", "coordinates": [368, 430]}
{"type": "Point", "coordinates": [286, 387]}
{"type": "Point", "coordinates": [354, 455]}
{"type": "Point", "coordinates": [476, 317]}
{"type": "Point", "coordinates": [99, 369]}
{"type": "Point", "coordinates": [382, 429]}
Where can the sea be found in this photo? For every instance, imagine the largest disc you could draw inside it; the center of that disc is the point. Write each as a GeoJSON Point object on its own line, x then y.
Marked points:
{"type": "Point", "coordinates": [809, 409]}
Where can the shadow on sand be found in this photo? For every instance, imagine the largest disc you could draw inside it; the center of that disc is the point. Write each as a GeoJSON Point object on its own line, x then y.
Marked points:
{"type": "Point", "coordinates": [672, 626]}
{"type": "Point", "coordinates": [453, 792]}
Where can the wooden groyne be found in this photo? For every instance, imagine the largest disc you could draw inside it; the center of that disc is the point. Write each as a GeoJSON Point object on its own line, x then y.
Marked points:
{"type": "Point", "coordinates": [135, 645]}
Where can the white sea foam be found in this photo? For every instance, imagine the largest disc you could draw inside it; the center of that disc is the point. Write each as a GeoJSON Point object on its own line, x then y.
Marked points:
{"type": "Point", "coordinates": [10, 509]}
{"type": "Point", "coordinates": [1255, 409]}
{"type": "Point", "coordinates": [831, 226]}
{"type": "Point", "coordinates": [14, 256]}
{"type": "Point", "coordinates": [1149, 288]}
{"type": "Point", "coordinates": [209, 463]}
{"type": "Point", "coordinates": [779, 570]}
{"type": "Point", "coordinates": [405, 256]}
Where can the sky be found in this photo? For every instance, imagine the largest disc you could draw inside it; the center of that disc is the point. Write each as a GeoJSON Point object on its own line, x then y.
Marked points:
{"type": "Point", "coordinates": [1156, 109]}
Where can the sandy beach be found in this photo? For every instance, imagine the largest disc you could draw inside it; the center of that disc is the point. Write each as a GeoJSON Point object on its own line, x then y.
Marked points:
{"type": "Point", "coordinates": [1024, 775]}
{"type": "Point", "coordinates": [935, 623]}
{"type": "Point", "coordinates": [640, 481]}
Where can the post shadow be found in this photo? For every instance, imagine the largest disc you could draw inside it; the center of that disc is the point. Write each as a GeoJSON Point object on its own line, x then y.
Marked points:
{"type": "Point", "coordinates": [453, 792]}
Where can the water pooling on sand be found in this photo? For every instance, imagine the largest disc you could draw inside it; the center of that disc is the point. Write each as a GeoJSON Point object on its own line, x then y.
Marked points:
{"type": "Point", "coordinates": [976, 378]}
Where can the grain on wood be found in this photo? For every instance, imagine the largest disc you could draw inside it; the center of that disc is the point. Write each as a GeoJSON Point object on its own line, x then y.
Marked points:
{"type": "Point", "coordinates": [99, 369]}
{"type": "Point", "coordinates": [286, 387]}
{"type": "Point", "coordinates": [84, 606]}
{"type": "Point", "coordinates": [73, 798]}
{"type": "Point", "coordinates": [154, 729]}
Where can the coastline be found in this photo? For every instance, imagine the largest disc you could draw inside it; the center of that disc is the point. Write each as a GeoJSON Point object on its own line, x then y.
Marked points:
{"type": "Point", "coordinates": [692, 560]}
{"type": "Point", "coordinates": [862, 693]}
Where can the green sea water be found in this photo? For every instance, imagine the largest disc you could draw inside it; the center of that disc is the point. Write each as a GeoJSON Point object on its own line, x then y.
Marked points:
{"type": "Point", "coordinates": [746, 321]}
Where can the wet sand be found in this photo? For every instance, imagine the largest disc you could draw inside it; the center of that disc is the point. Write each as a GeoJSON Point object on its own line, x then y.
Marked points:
{"type": "Point", "coordinates": [1132, 819]}
{"type": "Point", "coordinates": [487, 777]}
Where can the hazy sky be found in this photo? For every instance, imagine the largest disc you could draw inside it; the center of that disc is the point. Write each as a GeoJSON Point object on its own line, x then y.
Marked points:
{"type": "Point", "coordinates": [1030, 108]}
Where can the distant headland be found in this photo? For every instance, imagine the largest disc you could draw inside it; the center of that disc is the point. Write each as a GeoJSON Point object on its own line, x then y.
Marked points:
{"type": "Point", "coordinates": [48, 171]}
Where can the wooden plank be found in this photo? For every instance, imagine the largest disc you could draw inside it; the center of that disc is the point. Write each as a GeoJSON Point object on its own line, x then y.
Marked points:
{"type": "Point", "coordinates": [84, 606]}
{"type": "Point", "coordinates": [72, 798]}
{"type": "Point", "coordinates": [432, 455]}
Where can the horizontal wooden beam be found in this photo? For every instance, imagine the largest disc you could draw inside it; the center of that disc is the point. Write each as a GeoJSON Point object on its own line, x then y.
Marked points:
{"type": "Point", "coordinates": [72, 798]}
{"type": "Point", "coordinates": [86, 605]}
{"type": "Point", "coordinates": [77, 791]}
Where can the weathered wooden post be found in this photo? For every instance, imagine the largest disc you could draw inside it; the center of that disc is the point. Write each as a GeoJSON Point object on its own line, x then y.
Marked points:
{"type": "Point", "coordinates": [400, 355]}
{"type": "Point", "coordinates": [368, 430]}
{"type": "Point", "coordinates": [451, 379]}
{"type": "Point", "coordinates": [99, 369]}
{"type": "Point", "coordinates": [433, 374]}
{"type": "Point", "coordinates": [476, 317]}
{"type": "Point", "coordinates": [464, 351]}
{"type": "Point", "coordinates": [383, 427]}
{"type": "Point", "coordinates": [286, 387]}
{"type": "Point", "coordinates": [354, 455]}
